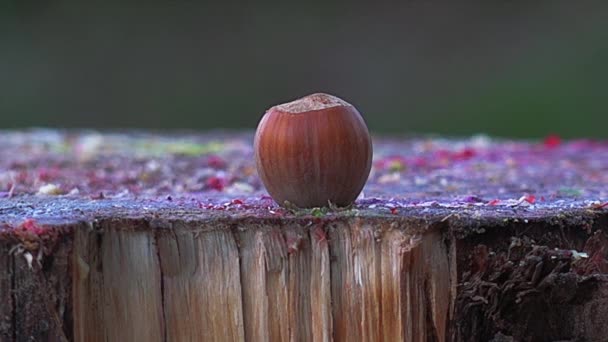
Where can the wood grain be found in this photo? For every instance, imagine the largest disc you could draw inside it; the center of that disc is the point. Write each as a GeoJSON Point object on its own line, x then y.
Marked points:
{"type": "Point", "coordinates": [131, 291]}
{"type": "Point", "coordinates": [320, 286]}
{"type": "Point", "coordinates": [42, 295]}
{"type": "Point", "coordinates": [89, 320]}
{"type": "Point", "coordinates": [6, 293]}
{"type": "Point", "coordinates": [346, 281]}
{"type": "Point", "coordinates": [285, 274]}
{"type": "Point", "coordinates": [201, 285]}
{"type": "Point", "coordinates": [388, 285]}
{"type": "Point", "coordinates": [345, 295]}
{"type": "Point", "coordinates": [264, 277]}
{"type": "Point", "coordinates": [118, 294]}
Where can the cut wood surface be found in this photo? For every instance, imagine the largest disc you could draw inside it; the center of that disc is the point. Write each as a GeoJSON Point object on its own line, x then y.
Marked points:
{"type": "Point", "coordinates": [144, 237]}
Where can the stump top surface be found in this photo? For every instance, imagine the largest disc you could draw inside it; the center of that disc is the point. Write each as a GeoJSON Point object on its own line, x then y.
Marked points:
{"type": "Point", "coordinates": [66, 177]}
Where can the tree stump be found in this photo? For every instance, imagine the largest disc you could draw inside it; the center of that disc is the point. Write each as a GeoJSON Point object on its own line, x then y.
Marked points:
{"type": "Point", "coordinates": [144, 237]}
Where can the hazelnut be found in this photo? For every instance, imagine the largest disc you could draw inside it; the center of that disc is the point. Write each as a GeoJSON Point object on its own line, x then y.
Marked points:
{"type": "Point", "coordinates": [313, 151]}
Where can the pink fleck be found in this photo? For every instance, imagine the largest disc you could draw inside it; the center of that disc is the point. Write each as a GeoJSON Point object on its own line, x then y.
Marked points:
{"type": "Point", "coordinates": [494, 202]}
{"type": "Point", "coordinates": [464, 154]}
{"type": "Point", "coordinates": [216, 183]}
{"type": "Point", "coordinates": [48, 174]}
{"type": "Point", "coordinates": [552, 141]}
{"type": "Point", "coordinates": [418, 162]}
{"type": "Point", "coordinates": [394, 211]}
{"type": "Point", "coordinates": [31, 226]}
{"type": "Point", "coordinates": [530, 199]}
{"type": "Point", "coordinates": [216, 162]}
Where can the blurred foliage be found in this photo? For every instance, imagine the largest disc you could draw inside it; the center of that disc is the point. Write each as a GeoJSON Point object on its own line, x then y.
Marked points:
{"type": "Point", "coordinates": [502, 68]}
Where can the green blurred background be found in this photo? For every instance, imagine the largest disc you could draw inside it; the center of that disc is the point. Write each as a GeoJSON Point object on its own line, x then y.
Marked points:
{"type": "Point", "coordinates": [507, 68]}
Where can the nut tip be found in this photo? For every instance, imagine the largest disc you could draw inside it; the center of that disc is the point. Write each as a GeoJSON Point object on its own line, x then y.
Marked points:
{"type": "Point", "coordinates": [313, 102]}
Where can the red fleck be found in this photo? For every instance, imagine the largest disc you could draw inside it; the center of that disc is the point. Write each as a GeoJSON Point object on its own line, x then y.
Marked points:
{"type": "Point", "coordinates": [552, 141]}
{"type": "Point", "coordinates": [494, 202]}
{"type": "Point", "coordinates": [216, 183]}
{"type": "Point", "coordinates": [31, 226]}
{"type": "Point", "coordinates": [530, 199]}
{"type": "Point", "coordinates": [216, 162]}
{"type": "Point", "coordinates": [418, 162]}
{"type": "Point", "coordinates": [48, 174]}
{"type": "Point", "coordinates": [394, 211]}
{"type": "Point", "coordinates": [319, 234]}
{"type": "Point", "coordinates": [464, 154]}
{"type": "Point", "coordinates": [445, 156]}
{"type": "Point", "coordinates": [236, 201]}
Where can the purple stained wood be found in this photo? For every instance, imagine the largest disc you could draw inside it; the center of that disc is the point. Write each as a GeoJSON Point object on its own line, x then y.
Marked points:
{"type": "Point", "coordinates": [61, 176]}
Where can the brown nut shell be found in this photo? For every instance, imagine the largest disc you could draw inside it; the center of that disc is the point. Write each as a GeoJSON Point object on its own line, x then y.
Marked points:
{"type": "Point", "coordinates": [313, 151]}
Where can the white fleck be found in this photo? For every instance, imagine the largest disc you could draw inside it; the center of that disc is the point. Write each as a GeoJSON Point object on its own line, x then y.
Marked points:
{"type": "Point", "coordinates": [480, 141]}
{"type": "Point", "coordinates": [50, 189]}
{"type": "Point", "coordinates": [357, 270]}
{"type": "Point", "coordinates": [579, 255]}
{"type": "Point", "coordinates": [239, 188]}
{"type": "Point", "coordinates": [389, 178]}
{"type": "Point", "coordinates": [152, 166]}
{"type": "Point", "coordinates": [29, 258]}
{"type": "Point", "coordinates": [88, 145]}
{"type": "Point", "coordinates": [420, 181]}
{"type": "Point", "coordinates": [123, 193]}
